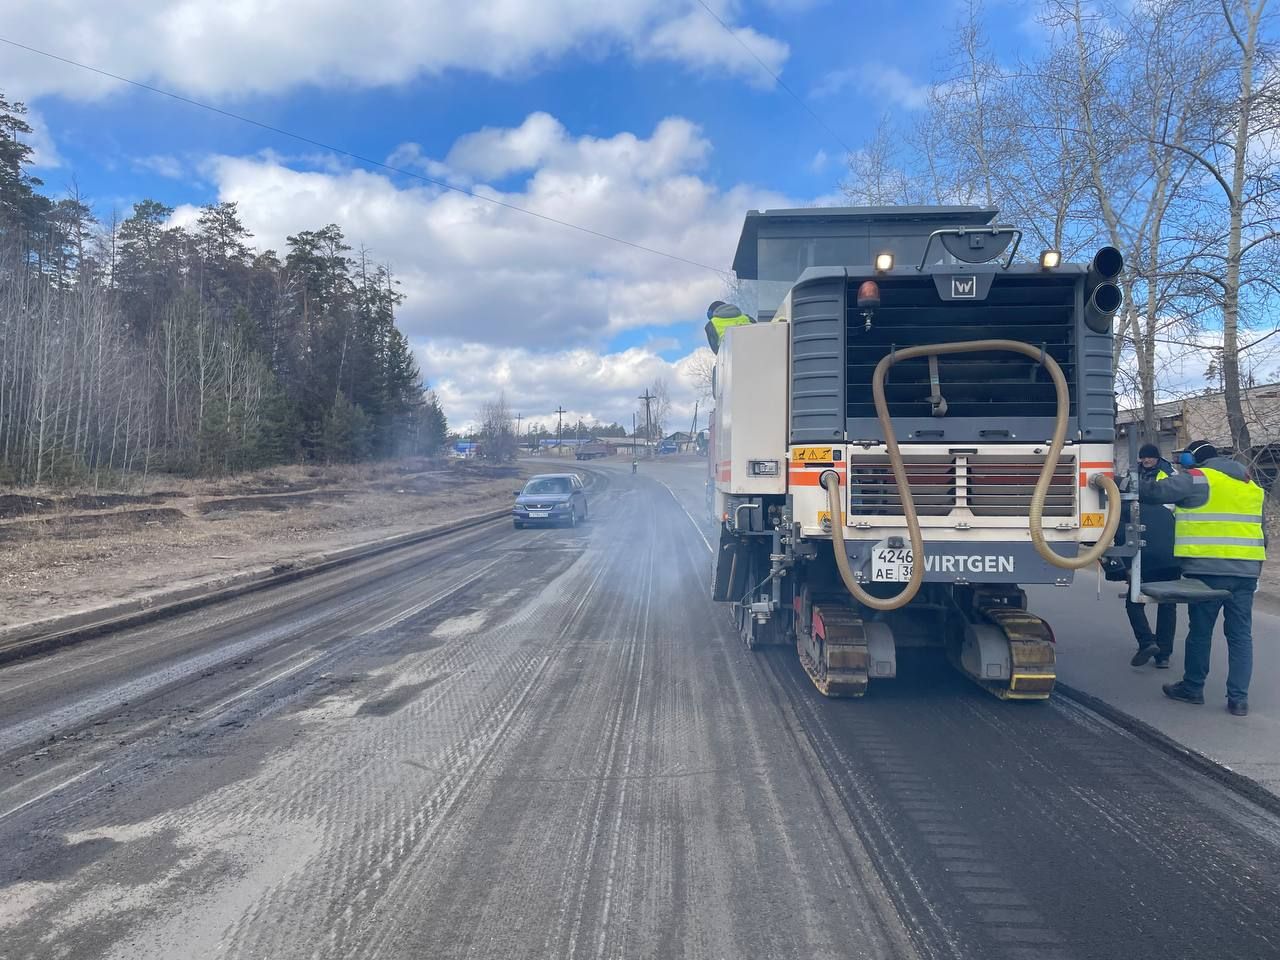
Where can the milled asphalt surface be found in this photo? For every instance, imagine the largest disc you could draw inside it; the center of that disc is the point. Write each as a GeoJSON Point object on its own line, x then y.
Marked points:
{"type": "Point", "coordinates": [550, 744]}
{"type": "Point", "coordinates": [1094, 647]}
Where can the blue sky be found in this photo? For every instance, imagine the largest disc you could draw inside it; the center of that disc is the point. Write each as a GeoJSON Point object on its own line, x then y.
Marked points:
{"type": "Point", "coordinates": [644, 119]}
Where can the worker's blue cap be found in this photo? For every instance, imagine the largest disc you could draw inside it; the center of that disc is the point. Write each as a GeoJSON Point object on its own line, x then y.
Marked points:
{"type": "Point", "coordinates": [712, 309]}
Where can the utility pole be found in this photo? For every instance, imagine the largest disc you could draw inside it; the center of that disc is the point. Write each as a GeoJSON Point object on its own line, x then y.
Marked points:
{"type": "Point", "coordinates": [693, 433]}
{"type": "Point", "coordinates": [560, 431]}
{"type": "Point", "coordinates": [647, 397]}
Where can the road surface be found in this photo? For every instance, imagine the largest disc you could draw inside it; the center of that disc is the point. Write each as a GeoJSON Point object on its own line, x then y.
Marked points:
{"type": "Point", "coordinates": [548, 743]}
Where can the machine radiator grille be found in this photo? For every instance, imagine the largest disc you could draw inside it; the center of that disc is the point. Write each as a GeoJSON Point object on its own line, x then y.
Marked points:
{"type": "Point", "coordinates": [1036, 309]}
{"type": "Point", "coordinates": [988, 485]}
{"type": "Point", "coordinates": [1001, 486]}
{"type": "Point", "coordinates": [873, 492]}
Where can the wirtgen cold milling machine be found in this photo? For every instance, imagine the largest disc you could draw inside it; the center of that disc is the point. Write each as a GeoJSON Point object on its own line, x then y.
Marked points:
{"type": "Point", "coordinates": [915, 427]}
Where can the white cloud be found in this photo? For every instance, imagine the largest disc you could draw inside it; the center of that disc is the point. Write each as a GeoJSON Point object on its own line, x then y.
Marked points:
{"type": "Point", "coordinates": [591, 386]}
{"type": "Point", "coordinates": [493, 294]}
{"type": "Point", "coordinates": [162, 164]}
{"type": "Point", "coordinates": [698, 40]}
{"type": "Point", "coordinates": [1182, 360]}
{"type": "Point", "coordinates": [238, 47]}
{"type": "Point", "coordinates": [882, 82]}
{"type": "Point", "coordinates": [541, 140]}
{"type": "Point", "coordinates": [819, 161]}
{"type": "Point", "coordinates": [44, 152]}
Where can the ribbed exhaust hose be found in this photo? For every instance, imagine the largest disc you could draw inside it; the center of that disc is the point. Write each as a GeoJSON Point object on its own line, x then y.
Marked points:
{"type": "Point", "coordinates": [831, 481]}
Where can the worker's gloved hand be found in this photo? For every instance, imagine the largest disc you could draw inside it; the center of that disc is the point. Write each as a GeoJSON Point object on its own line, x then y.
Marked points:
{"type": "Point", "coordinates": [1124, 482]}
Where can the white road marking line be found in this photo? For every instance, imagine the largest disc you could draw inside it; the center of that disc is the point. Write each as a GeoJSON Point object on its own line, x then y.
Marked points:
{"type": "Point", "coordinates": [389, 622]}
{"type": "Point", "coordinates": [17, 785]}
{"type": "Point", "coordinates": [52, 790]}
{"type": "Point", "coordinates": [205, 715]}
{"type": "Point", "coordinates": [695, 523]}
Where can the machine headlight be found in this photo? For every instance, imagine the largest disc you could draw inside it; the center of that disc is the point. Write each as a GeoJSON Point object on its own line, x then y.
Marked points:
{"type": "Point", "coordinates": [1050, 259]}
{"type": "Point", "coordinates": [884, 262]}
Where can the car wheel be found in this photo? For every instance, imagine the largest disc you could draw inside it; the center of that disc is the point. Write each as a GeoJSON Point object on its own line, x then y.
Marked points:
{"type": "Point", "coordinates": [573, 517]}
{"type": "Point", "coordinates": [585, 514]}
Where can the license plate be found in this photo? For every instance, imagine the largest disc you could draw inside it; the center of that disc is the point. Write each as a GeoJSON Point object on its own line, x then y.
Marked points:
{"type": "Point", "coordinates": [539, 514]}
{"type": "Point", "coordinates": [890, 564]}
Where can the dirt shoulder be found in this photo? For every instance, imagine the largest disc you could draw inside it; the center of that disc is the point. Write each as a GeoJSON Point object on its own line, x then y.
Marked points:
{"type": "Point", "coordinates": [65, 552]}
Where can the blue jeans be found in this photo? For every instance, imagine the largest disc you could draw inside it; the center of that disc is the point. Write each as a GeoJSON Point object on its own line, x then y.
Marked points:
{"type": "Point", "coordinates": [1237, 624]}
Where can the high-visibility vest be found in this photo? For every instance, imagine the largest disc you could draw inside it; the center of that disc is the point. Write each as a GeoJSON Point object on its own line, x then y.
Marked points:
{"type": "Point", "coordinates": [1229, 524]}
{"type": "Point", "coordinates": [716, 327]}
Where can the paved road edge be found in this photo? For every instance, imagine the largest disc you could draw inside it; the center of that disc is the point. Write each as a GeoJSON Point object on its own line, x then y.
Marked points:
{"type": "Point", "coordinates": [1233, 780]}
{"type": "Point", "coordinates": [42, 636]}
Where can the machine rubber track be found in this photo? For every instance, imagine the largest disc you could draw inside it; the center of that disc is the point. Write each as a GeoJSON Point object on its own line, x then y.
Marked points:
{"type": "Point", "coordinates": [833, 650]}
{"type": "Point", "coordinates": [1032, 655]}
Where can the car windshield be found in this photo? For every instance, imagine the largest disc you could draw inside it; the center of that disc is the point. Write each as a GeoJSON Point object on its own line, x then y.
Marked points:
{"type": "Point", "coordinates": [545, 485]}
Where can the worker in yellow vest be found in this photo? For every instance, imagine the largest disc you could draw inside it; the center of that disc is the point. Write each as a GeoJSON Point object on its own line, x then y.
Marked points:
{"type": "Point", "coordinates": [1220, 539]}
{"type": "Point", "coordinates": [720, 317]}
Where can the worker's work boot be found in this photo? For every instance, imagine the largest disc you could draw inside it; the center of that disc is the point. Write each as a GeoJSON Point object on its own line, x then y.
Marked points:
{"type": "Point", "coordinates": [1238, 708]}
{"type": "Point", "coordinates": [1180, 691]}
{"type": "Point", "coordinates": [1162, 662]}
{"type": "Point", "coordinates": [1145, 652]}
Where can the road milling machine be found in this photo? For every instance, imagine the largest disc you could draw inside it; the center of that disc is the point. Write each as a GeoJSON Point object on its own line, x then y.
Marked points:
{"type": "Point", "coordinates": [915, 427]}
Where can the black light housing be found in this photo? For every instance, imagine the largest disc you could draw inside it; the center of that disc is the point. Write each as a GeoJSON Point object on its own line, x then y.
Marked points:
{"type": "Point", "coordinates": [1102, 296]}
{"type": "Point", "coordinates": [979, 245]}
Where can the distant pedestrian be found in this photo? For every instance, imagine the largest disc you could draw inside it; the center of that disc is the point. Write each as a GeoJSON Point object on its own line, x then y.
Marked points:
{"type": "Point", "coordinates": [1158, 564]}
{"type": "Point", "coordinates": [1220, 538]}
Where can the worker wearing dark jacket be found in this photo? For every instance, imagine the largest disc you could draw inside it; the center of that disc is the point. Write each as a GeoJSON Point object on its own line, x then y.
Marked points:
{"type": "Point", "coordinates": [720, 317]}
{"type": "Point", "coordinates": [1158, 564]}
{"type": "Point", "coordinates": [1220, 539]}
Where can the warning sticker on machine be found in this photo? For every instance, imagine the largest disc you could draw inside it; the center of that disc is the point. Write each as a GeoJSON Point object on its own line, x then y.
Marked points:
{"type": "Point", "coordinates": [808, 454]}
{"type": "Point", "coordinates": [1092, 520]}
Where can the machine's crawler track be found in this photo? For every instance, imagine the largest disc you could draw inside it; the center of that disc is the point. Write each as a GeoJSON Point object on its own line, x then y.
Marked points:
{"type": "Point", "coordinates": [833, 651]}
{"type": "Point", "coordinates": [1004, 649]}
{"type": "Point", "coordinates": [839, 650]}
{"type": "Point", "coordinates": [1032, 657]}
{"type": "Point", "coordinates": [1008, 652]}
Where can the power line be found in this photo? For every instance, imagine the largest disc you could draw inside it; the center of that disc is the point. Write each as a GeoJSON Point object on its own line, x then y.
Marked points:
{"type": "Point", "coordinates": [359, 158]}
{"type": "Point", "coordinates": [776, 79]}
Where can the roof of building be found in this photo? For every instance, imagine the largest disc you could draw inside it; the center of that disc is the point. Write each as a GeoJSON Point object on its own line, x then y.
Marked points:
{"type": "Point", "coordinates": [1165, 408]}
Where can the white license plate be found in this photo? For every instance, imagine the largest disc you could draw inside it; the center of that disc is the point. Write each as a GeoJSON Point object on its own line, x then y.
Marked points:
{"type": "Point", "coordinates": [890, 564]}
{"type": "Point", "coordinates": [539, 514]}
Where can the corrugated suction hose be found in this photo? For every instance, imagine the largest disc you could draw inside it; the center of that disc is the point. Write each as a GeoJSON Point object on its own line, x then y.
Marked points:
{"type": "Point", "coordinates": [831, 481]}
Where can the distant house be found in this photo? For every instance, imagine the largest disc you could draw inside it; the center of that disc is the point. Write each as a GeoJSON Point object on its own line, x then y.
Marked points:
{"type": "Point", "coordinates": [1204, 417]}
{"type": "Point", "coordinates": [466, 448]}
{"type": "Point", "coordinates": [678, 442]}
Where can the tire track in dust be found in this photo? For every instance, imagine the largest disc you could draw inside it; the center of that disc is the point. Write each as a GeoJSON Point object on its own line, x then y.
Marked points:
{"type": "Point", "coordinates": [357, 883]}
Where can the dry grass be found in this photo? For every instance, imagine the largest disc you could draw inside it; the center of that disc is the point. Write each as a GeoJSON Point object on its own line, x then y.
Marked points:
{"type": "Point", "coordinates": [57, 566]}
